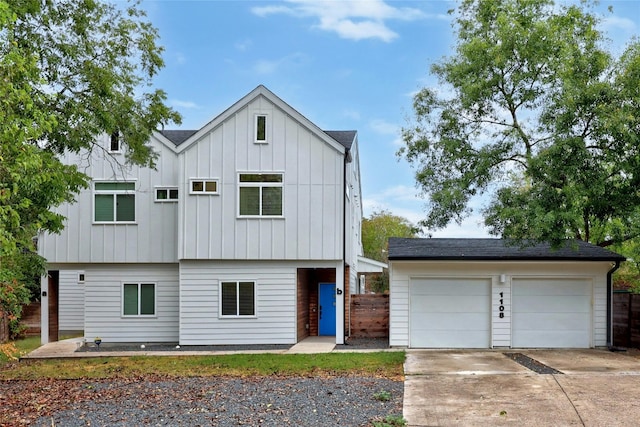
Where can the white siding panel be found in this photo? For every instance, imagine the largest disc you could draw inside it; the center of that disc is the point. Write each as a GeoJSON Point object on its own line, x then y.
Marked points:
{"type": "Point", "coordinates": [312, 215]}
{"type": "Point", "coordinates": [84, 242]}
{"type": "Point", "coordinates": [103, 303]}
{"type": "Point", "coordinates": [398, 309]}
{"type": "Point", "coordinates": [275, 319]}
{"type": "Point", "coordinates": [593, 272]}
{"type": "Point", "coordinates": [70, 301]}
{"type": "Point", "coordinates": [501, 306]}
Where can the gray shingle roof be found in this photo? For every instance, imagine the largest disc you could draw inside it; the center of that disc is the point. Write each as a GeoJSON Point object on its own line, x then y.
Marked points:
{"type": "Point", "coordinates": [344, 137]}
{"type": "Point", "coordinates": [494, 249]}
{"type": "Point", "coordinates": [178, 136]}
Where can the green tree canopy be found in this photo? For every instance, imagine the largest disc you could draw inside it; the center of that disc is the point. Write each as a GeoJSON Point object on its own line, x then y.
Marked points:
{"type": "Point", "coordinates": [70, 70]}
{"type": "Point", "coordinates": [535, 112]}
{"type": "Point", "coordinates": [378, 227]}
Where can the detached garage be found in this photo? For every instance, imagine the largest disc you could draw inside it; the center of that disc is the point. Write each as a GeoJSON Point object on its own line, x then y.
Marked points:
{"type": "Point", "coordinates": [486, 293]}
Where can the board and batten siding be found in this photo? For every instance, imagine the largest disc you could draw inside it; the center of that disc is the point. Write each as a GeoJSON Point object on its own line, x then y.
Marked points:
{"type": "Point", "coordinates": [311, 226]}
{"type": "Point", "coordinates": [402, 272]}
{"type": "Point", "coordinates": [70, 301]}
{"type": "Point", "coordinates": [200, 320]}
{"type": "Point", "coordinates": [153, 238]}
{"type": "Point", "coordinates": [103, 303]}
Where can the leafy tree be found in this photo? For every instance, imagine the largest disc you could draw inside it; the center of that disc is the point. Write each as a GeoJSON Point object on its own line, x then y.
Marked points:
{"type": "Point", "coordinates": [70, 71]}
{"type": "Point", "coordinates": [536, 114]}
{"type": "Point", "coordinates": [376, 231]}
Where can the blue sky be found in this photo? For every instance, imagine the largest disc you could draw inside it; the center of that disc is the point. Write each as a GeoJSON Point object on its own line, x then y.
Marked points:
{"type": "Point", "coordinates": [350, 64]}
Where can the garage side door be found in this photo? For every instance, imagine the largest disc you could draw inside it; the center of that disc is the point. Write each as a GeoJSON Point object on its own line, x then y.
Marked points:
{"type": "Point", "coordinates": [449, 313]}
{"type": "Point", "coordinates": [551, 313]}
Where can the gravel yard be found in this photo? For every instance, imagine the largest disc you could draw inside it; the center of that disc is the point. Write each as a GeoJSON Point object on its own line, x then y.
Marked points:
{"type": "Point", "coordinates": [200, 401]}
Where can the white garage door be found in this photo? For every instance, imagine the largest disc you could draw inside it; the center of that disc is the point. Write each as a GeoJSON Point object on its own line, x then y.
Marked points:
{"type": "Point", "coordinates": [551, 313]}
{"type": "Point", "coordinates": [449, 313]}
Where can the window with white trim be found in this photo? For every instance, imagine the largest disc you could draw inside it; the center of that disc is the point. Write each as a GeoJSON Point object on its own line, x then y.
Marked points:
{"type": "Point", "coordinates": [238, 299]}
{"type": "Point", "coordinates": [260, 194]}
{"type": "Point", "coordinates": [114, 142]}
{"type": "Point", "coordinates": [203, 186]}
{"type": "Point", "coordinates": [114, 202]}
{"type": "Point", "coordinates": [260, 128]}
{"type": "Point", "coordinates": [166, 194]}
{"type": "Point", "coordinates": [138, 299]}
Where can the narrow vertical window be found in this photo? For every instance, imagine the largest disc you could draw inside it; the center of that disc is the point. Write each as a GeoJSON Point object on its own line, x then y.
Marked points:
{"type": "Point", "coordinates": [114, 145]}
{"type": "Point", "coordinates": [261, 128]}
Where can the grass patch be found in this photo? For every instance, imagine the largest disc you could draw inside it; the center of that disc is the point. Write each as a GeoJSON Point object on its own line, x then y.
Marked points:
{"type": "Point", "coordinates": [382, 364]}
{"type": "Point", "coordinates": [14, 349]}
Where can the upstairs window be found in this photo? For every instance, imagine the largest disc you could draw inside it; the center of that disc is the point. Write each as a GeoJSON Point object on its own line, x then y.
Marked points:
{"type": "Point", "coordinates": [204, 186]}
{"type": "Point", "coordinates": [114, 143]}
{"type": "Point", "coordinates": [238, 299]}
{"type": "Point", "coordinates": [166, 194]}
{"type": "Point", "coordinates": [138, 299]}
{"type": "Point", "coordinates": [114, 202]}
{"type": "Point", "coordinates": [261, 128]}
{"type": "Point", "coordinates": [260, 194]}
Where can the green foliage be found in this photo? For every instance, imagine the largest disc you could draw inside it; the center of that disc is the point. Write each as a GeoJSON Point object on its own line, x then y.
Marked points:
{"type": "Point", "coordinates": [391, 421]}
{"type": "Point", "coordinates": [628, 275]}
{"type": "Point", "coordinates": [70, 71]}
{"type": "Point", "coordinates": [381, 364]}
{"type": "Point", "coordinates": [382, 396]}
{"type": "Point", "coordinates": [13, 296]}
{"type": "Point", "coordinates": [376, 231]}
{"type": "Point", "coordinates": [13, 350]}
{"type": "Point", "coordinates": [537, 115]}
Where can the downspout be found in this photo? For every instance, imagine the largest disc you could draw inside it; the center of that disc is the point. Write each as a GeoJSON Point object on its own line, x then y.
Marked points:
{"type": "Point", "coordinates": [610, 304]}
{"type": "Point", "coordinates": [347, 158]}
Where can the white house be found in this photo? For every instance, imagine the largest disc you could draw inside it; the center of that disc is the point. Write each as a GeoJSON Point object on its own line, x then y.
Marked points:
{"type": "Point", "coordinates": [487, 293]}
{"type": "Point", "coordinates": [247, 232]}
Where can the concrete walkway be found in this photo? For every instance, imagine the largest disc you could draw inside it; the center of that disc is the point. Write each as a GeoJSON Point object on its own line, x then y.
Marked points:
{"type": "Point", "coordinates": [67, 349]}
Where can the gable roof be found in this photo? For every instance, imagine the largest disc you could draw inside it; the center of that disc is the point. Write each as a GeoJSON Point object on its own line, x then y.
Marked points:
{"type": "Point", "coordinates": [344, 137]}
{"type": "Point", "coordinates": [178, 136]}
{"type": "Point", "coordinates": [496, 250]}
{"type": "Point", "coordinates": [340, 144]}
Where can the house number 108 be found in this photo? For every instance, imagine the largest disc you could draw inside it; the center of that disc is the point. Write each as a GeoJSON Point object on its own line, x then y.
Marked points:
{"type": "Point", "coordinates": [501, 307]}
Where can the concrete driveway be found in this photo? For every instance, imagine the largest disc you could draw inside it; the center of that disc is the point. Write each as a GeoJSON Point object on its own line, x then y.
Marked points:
{"type": "Point", "coordinates": [483, 388]}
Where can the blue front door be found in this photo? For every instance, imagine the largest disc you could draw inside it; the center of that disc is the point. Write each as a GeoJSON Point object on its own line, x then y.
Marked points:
{"type": "Point", "coordinates": [327, 312]}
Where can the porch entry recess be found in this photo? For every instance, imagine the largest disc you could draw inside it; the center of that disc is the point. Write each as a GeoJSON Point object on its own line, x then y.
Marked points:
{"type": "Point", "coordinates": [327, 309]}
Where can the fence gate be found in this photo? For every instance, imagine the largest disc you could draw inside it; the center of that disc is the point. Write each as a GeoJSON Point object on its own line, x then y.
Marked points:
{"type": "Point", "coordinates": [626, 319]}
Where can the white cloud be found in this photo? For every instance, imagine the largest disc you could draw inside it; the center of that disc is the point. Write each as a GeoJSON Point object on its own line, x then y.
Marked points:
{"type": "Point", "coordinates": [383, 127]}
{"type": "Point", "coordinates": [353, 20]}
{"type": "Point", "coordinates": [266, 66]}
{"type": "Point", "coordinates": [351, 114]}
{"type": "Point", "coordinates": [184, 104]}
{"type": "Point", "coordinates": [613, 23]}
{"type": "Point", "coordinates": [404, 201]}
{"type": "Point", "coordinates": [243, 45]}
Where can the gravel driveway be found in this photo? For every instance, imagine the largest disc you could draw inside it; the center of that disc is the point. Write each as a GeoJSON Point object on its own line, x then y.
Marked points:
{"type": "Point", "coordinates": [154, 400]}
{"type": "Point", "coordinates": [205, 401]}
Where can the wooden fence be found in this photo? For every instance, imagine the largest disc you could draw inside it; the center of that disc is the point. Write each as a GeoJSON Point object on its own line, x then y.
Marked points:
{"type": "Point", "coordinates": [369, 316]}
{"type": "Point", "coordinates": [626, 320]}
